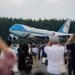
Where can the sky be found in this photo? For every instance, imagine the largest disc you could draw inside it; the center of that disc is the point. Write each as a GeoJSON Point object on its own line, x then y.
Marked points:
{"type": "Point", "coordinates": [35, 9]}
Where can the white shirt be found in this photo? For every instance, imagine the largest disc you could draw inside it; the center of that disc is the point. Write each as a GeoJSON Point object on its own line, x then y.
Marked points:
{"type": "Point", "coordinates": [55, 55]}
{"type": "Point", "coordinates": [35, 50]}
{"type": "Point", "coordinates": [15, 67]}
{"type": "Point", "coordinates": [29, 51]}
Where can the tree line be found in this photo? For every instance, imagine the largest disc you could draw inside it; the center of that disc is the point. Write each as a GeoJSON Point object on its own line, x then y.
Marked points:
{"type": "Point", "coordinates": [49, 24]}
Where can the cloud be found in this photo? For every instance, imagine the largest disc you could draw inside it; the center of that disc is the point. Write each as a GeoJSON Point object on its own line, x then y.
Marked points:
{"type": "Point", "coordinates": [52, 1]}
{"type": "Point", "coordinates": [15, 3]}
{"type": "Point", "coordinates": [21, 2]}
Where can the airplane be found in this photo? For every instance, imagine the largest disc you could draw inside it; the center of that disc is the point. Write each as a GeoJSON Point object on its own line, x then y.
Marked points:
{"type": "Point", "coordinates": [25, 31]}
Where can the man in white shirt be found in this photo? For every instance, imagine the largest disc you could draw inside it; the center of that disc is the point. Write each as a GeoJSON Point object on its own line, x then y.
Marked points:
{"type": "Point", "coordinates": [55, 55]}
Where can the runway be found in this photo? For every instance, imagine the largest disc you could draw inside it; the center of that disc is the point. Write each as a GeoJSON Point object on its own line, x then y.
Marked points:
{"type": "Point", "coordinates": [41, 68]}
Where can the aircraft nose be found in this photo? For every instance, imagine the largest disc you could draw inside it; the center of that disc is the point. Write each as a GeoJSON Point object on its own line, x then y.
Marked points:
{"type": "Point", "coordinates": [12, 28]}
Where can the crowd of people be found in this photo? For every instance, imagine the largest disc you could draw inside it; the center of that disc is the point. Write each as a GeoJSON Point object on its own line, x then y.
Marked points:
{"type": "Point", "coordinates": [53, 53]}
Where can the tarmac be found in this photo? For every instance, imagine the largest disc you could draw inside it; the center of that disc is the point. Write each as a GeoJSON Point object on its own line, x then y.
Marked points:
{"type": "Point", "coordinates": [41, 68]}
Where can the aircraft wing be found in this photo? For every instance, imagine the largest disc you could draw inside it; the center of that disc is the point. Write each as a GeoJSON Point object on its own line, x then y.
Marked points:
{"type": "Point", "coordinates": [62, 34]}
{"type": "Point", "coordinates": [38, 36]}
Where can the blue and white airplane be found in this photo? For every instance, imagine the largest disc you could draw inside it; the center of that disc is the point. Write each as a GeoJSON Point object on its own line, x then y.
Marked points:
{"type": "Point", "coordinates": [21, 30]}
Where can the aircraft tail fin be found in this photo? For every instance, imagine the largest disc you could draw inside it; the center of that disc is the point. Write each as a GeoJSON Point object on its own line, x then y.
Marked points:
{"type": "Point", "coordinates": [65, 27]}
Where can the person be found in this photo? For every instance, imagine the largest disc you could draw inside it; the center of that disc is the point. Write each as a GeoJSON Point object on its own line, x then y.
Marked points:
{"type": "Point", "coordinates": [7, 62]}
{"type": "Point", "coordinates": [25, 60]}
{"type": "Point", "coordinates": [44, 56]}
{"type": "Point", "coordinates": [19, 58]}
{"type": "Point", "coordinates": [71, 51]}
{"type": "Point", "coordinates": [16, 49]}
{"type": "Point", "coordinates": [14, 68]}
{"type": "Point", "coordinates": [55, 55]}
{"type": "Point", "coordinates": [30, 48]}
{"type": "Point", "coordinates": [35, 56]}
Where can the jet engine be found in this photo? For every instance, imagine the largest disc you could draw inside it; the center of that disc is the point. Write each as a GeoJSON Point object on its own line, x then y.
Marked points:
{"type": "Point", "coordinates": [13, 37]}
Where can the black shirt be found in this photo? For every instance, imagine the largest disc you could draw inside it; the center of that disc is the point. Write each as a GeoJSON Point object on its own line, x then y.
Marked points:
{"type": "Point", "coordinates": [71, 47]}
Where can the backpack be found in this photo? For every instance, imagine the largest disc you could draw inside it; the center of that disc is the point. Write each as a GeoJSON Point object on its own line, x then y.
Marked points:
{"type": "Point", "coordinates": [28, 63]}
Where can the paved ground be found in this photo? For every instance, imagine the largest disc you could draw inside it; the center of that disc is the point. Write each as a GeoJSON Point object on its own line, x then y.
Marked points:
{"type": "Point", "coordinates": [41, 68]}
